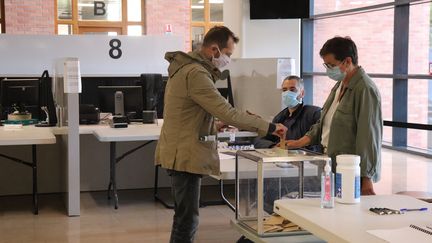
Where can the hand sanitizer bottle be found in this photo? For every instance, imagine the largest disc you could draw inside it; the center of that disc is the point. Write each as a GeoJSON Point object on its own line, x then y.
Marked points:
{"type": "Point", "coordinates": [327, 186]}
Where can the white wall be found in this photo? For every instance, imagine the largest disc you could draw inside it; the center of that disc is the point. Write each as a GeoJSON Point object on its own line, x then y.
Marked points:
{"type": "Point", "coordinates": [262, 38]}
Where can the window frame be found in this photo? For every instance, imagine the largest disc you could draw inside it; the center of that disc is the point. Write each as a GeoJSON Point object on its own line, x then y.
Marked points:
{"type": "Point", "coordinates": [76, 23]}
{"type": "Point", "coordinates": [400, 73]}
{"type": "Point", "coordinates": [207, 23]}
{"type": "Point", "coordinates": [2, 18]}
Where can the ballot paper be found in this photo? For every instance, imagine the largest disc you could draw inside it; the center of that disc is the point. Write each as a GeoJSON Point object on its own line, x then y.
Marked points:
{"type": "Point", "coordinates": [276, 223]}
{"type": "Point", "coordinates": [285, 68]}
{"type": "Point", "coordinates": [410, 233]}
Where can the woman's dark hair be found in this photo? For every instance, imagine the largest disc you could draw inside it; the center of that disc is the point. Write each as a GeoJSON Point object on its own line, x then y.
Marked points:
{"type": "Point", "coordinates": [341, 48]}
{"type": "Point", "coordinates": [219, 35]}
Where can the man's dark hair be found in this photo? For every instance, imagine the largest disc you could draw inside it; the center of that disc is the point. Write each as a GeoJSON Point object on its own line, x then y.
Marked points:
{"type": "Point", "coordinates": [219, 35]}
{"type": "Point", "coordinates": [341, 48]}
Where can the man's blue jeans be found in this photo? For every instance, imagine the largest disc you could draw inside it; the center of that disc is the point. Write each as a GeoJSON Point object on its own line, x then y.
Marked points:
{"type": "Point", "coordinates": [186, 189]}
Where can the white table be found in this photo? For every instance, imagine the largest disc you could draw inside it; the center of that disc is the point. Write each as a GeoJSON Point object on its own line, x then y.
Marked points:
{"type": "Point", "coordinates": [227, 170]}
{"type": "Point", "coordinates": [349, 223]}
{"type": "Point", "coordinates": [27, 135]}
{"type": "Point", "coordinates": [135, 132]}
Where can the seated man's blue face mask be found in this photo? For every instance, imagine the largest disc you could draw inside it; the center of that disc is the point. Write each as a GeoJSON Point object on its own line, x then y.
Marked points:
{"type": "Point", "coordinates": [289, 99]}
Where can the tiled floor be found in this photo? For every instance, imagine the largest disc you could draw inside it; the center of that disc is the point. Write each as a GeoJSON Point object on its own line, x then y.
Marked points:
{"type": "Point", "coordinates": [140, 219]}
{"type": "Point", "coordinates": [404, 172]}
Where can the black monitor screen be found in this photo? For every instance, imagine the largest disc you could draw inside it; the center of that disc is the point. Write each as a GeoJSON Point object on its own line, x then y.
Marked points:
{"type": "Point", "coordinates": [132, 99]}
{"type": "Point", "coordinates": [21, 93]}
{"type": "Point", "coordinates": [279, 9]}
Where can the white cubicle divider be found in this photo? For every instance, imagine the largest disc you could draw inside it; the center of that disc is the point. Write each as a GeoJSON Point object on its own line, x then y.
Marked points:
{"type": "Point", "coordinates": [98, 55]}
{"type": "Point", "coordinates": [256, 84]}
{"type": "Point", "coordinates": [68, 133]}
{"type": "Point", "coordinates": [26, 55]}
{"type": "Point", "coordinates": [73, 156]}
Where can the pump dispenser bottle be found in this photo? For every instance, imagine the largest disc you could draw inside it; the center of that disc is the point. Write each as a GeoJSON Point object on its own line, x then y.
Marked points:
{"type": "Point", "coordinates": [327, 186]}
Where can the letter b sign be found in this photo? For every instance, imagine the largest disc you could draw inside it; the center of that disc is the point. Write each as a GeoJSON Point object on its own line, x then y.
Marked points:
{"type": "Point", "coordinates": [99, 8]}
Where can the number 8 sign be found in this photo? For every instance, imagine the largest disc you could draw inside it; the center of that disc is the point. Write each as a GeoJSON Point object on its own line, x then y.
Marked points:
{"type": "Point", "coordinates": [115, 52]}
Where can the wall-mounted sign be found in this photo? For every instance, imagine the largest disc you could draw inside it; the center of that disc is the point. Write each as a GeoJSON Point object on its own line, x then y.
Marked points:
{"type": "Point", "coordinates": [98, 55]}
{"type": "Point", "coordinates": [72, 76]}
{"type": "Point", "coordinates": [99, 8]}
{"type": "Point", "coordinates": [168, 29]}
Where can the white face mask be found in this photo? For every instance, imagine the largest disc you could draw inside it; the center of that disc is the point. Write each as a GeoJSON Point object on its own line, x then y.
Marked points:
{"type": "Point", "coordinates": [222, 60]}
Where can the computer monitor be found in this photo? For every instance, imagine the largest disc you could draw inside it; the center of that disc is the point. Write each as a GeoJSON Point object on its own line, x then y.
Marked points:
{"type": "Point", "coordinates": [23, 93]}
{"type": "Point", "coordinates": [132, 100]}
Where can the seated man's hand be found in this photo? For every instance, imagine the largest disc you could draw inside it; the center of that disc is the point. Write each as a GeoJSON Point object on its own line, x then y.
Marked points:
{"type": "Point", "coordinates": [292, 143]}
{"type": "Point", "coordinates": [299, 143]}
{"type": "Point", "coordinates": [280, 130]}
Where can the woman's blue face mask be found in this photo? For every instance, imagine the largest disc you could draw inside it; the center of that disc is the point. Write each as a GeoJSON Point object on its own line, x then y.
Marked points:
{"type": "Point", "coordinates": [335, 73]}
{"type": "Point", "coordinates": [289, 99]}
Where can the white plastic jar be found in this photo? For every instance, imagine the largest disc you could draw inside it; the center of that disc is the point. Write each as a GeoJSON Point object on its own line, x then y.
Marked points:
{"type": "Point", "coordinates": [347, 179]}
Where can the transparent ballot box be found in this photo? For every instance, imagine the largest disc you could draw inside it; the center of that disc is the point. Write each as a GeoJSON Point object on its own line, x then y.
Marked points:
{"type": "Point", "coordinates": [266, 175]}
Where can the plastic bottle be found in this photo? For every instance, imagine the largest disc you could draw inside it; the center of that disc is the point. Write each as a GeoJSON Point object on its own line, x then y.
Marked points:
{"type": "Point", "coordinates": [232, 136]}
{"type": "Point", "coordinates": [327, 186]}
{"type": "Point", "coordinates": [348, 179]}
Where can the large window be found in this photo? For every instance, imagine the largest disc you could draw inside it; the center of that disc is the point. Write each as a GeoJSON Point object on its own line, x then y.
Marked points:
{"type": "Point", "coordinates": [404, 79]}
{"type": "Point", "coordinates": [375, 51]}
{"type": "Point", "coordinates": [205, 14]}
{"type": "Point", "coordinates": [109, 17]}
{"type": "Point", "coordinates": [2, 17]}
{"type": "Point", "coordinates": [327, 6]}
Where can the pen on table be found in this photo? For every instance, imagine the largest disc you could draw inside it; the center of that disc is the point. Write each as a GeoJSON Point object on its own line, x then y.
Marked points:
{"type": "Point", "coordinates": [413, 209]}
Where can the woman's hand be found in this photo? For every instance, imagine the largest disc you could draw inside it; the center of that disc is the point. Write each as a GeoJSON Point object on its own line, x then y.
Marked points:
{"type": "Point", "coordinates": [367, 186]}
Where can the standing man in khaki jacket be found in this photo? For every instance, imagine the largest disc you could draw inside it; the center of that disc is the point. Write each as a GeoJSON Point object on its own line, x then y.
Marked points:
{"type": "Point", "coordinates": [187, 147]}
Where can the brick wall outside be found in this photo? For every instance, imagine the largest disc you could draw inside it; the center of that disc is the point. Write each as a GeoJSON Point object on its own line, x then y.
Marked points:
{"type": "Point", "coordinates": [37, 17]}
{"type": "Point", "coordinates": [373, 34]}
{"type": "Point", "coordinates": [174, 12]}
{"type": "Point", "coordinates": [29, 17]}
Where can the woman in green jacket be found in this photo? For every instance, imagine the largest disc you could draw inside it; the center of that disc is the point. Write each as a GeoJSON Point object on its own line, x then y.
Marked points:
{"type": "Point", "coordinates": [351, 119]}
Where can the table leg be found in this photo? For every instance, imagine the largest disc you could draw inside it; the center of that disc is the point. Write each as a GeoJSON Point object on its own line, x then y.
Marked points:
{"type": "Point", "coordinates": [224, 199]}
{"type": "Point", "coordinates": [35, 181]}
{"type": "Point", "coordinates": [301, 180]}
{"type": "Point", "coordinates": [113, 156]}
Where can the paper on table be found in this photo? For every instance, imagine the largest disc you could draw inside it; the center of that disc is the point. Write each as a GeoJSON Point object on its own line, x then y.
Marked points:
{"type": "Point", "coordinates": [406, 234]}
{"type": "Point", "coordinates": [285, 67]}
